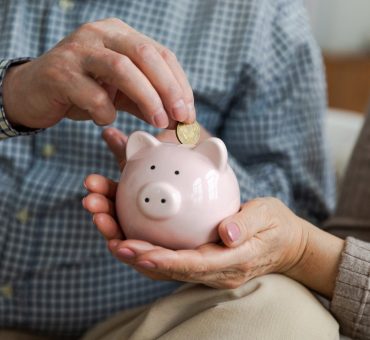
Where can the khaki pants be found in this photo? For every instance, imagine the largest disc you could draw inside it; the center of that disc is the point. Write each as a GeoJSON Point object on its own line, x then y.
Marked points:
{"type": "Point", "coordinates": [268, 307]}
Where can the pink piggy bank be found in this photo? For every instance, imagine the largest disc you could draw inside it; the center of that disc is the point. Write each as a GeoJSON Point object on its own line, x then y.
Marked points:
{"type": "Point", "coordinates": [175, 195]}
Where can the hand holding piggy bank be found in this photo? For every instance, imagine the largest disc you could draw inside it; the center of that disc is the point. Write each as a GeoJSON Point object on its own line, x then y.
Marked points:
{"type": "Point", "coordinates": [175, 195]}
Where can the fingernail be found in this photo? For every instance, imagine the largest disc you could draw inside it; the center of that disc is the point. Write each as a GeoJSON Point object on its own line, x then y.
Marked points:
{"type": "Point", "coordinates": [83, 202]}
{"type": "Point", "coordinates": [233, 232]}
{"type": "Point", "coordinates": [191, 112]}
{"type": "Point", "coordinates": [161, 120]}
{"type": "Point", "coordinates": [180, 111]}
{"type": "Point", "coordinates": [126, 253]}
{"type": "Point", "coordinates": [85, 185]}
{"type": "Point", "coordinates": [146, 264]}
{"type": "Point", "coordinates": [93, 219]}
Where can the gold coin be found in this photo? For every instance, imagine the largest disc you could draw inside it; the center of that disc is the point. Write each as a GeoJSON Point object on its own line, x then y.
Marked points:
{"type": "Point", "coordinates": [188, 133]}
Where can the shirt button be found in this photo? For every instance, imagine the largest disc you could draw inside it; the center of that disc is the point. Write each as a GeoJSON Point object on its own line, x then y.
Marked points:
{"type": "Point", "coordinates": [48, 150]}
{"type": "Point", "coordinates": [6, 291]}
{"type": "Point", "coordinates": [22, 216]}
{"type": "Point", "coordinates": [66, 5]}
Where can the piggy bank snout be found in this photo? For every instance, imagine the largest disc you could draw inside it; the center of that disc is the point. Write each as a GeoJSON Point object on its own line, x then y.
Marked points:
{"type": "Point", "coordinates": [159, 200]}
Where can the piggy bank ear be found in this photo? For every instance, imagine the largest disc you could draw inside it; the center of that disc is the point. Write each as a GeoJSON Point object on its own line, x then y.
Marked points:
{"type": "Point", "coordinates": [139, 140]}
{"type": "Point", "coordinates": [215, 150]}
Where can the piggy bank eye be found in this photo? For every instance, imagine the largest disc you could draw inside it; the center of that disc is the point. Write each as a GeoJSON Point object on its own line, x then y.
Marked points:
{"type": "Point", "coordinates": [152, 167]}
{"type": "Point", "coordinates": [177, 172]}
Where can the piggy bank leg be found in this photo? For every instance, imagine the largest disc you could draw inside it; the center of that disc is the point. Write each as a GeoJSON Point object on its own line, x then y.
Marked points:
{"type": "Point", "coordinates": [267, 307]}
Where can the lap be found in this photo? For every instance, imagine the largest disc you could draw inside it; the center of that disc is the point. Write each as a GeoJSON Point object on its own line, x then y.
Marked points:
{"type": "Point", "coordinates": [271, 306]}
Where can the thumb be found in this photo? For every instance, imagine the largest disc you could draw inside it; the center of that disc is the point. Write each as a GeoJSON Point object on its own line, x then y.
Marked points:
{"type": "Point", "coordinates": [253, 217]}
{"type": "Point", "coordinates": [116, 142]}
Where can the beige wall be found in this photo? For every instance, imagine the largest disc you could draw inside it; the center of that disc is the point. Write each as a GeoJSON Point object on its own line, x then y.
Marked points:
{"type": "Point", "coordinates": [341, 25]}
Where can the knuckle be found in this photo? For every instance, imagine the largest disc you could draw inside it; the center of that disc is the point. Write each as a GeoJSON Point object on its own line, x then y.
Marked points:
{"type": "Point", "coordinates": [168, 55]}
{"type": "Point", "coordinates": [145, 51]}
{"type": "Point", "coordinates": [99, 101]}
{"type": "Point", "coordinates": [54, 74]}
{"type": "Point", "coordinates": [120, 62]}
{"type": "Point", "coordinates": [118, 65]}
{"type": "Point", "coordinates": [152, 107]}
{"type": "Point", "coordinates": [60, 76]}
{"type": "Point", "coordinates": [173, 91]}
{"type": "Point", "coordinates": [260, 204]}
{"type": "Point", "coordinates": [90, 27]}
{"type": "Point", "coordinates": [70, 50]}
{"type": "Point", "coordinates": [67, 53]}
{"type": "Point", "coordinates": [114, 20]}
{"type": "Point", "coordinates": [188, 97]}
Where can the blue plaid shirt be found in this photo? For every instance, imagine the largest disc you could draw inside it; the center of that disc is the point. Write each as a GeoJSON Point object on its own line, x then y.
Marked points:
{"type": "Point", "coordinates": [258, 83]}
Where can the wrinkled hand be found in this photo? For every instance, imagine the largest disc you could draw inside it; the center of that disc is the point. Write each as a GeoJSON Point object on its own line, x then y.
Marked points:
{"type": "Point", "coordinates": [264, 237]}
{"type": "Point", "coordinates": [102, 66]}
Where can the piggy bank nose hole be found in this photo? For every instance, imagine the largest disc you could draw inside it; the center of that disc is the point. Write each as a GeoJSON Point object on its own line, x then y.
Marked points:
{"type": "Point", "coordinates": [146, 199]}
{"type": "Point", "coordinates": [163, 200]}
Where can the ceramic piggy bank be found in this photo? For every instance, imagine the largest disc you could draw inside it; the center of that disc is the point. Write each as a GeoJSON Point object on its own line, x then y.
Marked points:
{"type": "Point", "coordinates": [175, 195]}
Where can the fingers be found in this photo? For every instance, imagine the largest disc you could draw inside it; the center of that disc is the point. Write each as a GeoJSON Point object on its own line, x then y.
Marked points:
{"type": "Point", "coordinates": [128, 250]}
{"type": "Point", "coordinates": [146, 56]}
{"type": "Point", "coordinates": [88, 96]}
{"type": "Point", "coordinates": [116, 142]}
{"type": "Point", "coordinates": [108, 226]}
{"type": "Point", "coordinates": [211, 264]}
{"type": "Point", "coordinates": [76, 113]}
{"type": "Point", "coordinates": [176, 264]}
{"type": "Point", "coordinates": [103, 215]}
{"type": "Point", "coordinates": [158, 65]}
{"type": "Point", "coordinates": [101, 185]}
{"type": "Point", "coordinates": [97, 203]}
{"type": "Point", "coordinates": [119, 70]}
{"type": "Point", "coordinates": [254, 217]}
{"type": "Point", "coordinates": [171, 60]}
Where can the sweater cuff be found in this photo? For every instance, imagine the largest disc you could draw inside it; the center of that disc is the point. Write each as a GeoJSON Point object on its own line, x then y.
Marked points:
{"type": "Point", "coordinates": [6, 129]}
{"type": "Point", "coordinates": [351, 299]}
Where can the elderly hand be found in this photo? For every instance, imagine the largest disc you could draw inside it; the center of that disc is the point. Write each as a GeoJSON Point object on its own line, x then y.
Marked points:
{"type": "Point", "coordinates": [102, 66]}
{"type": "Point", "coordinates": [265, 236]}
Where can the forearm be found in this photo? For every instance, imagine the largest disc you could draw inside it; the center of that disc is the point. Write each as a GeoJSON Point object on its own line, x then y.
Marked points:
{"type": "Point", "coordinates": [318, 266]}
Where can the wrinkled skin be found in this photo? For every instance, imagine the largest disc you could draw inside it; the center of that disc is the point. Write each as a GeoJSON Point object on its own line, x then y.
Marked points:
{"type": "Point", "coordinates": [101, 67]}
{"type": "Point", "coordinates": [267, 238]}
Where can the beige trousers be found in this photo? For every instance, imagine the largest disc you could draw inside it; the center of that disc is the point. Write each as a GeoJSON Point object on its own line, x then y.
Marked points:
{"type": "Point", "coordinates": [267, 307]}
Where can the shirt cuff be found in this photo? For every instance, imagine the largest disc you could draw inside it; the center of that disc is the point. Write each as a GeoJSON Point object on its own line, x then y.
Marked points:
{"type": "Point", "coordinates": [6, 129]}
{"type": "Point", "coordinates": [351, 300]}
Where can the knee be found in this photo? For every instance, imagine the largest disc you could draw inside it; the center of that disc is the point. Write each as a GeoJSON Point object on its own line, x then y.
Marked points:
{"type": "Point", "coordinates": [284, 307]}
